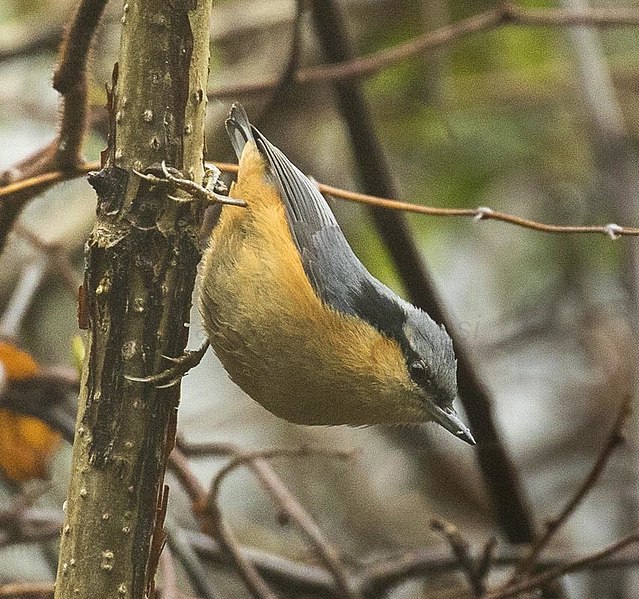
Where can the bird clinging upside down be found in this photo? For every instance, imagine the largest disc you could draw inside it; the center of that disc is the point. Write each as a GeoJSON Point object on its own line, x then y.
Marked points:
{"type": "Point", "coordinates": [297, 320]}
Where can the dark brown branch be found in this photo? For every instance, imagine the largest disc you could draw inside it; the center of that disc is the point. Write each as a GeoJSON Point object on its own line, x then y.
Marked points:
{"type": "Point", "coordinates": [74, 51]}
{"type": "Point", "coordinates": [63, 154]}
{"type": "Point", "coordinates": [375, 177]}
{"type": "Point", "coordinates": [70, 80]}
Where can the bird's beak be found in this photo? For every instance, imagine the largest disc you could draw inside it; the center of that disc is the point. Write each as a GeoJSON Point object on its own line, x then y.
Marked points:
{"type": "Point", "coordinates": [447, 417]}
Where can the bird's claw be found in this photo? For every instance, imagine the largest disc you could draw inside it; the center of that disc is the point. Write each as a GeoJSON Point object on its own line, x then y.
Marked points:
{"type": "Point", "coordinates": [173, 375]}
{"type": "Point", "coordinates": [213, 189]}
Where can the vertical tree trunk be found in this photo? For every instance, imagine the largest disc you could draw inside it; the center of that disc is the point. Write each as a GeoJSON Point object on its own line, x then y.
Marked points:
{"type": "Point", "coordinates": [141, 265]}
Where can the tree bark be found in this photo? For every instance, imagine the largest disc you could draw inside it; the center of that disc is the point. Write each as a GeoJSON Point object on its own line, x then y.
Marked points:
{"type": "Point", "coordinates": [141, 261]}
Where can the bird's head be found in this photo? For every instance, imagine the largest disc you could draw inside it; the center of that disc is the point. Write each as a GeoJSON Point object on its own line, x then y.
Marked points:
{"type": "Point", "coordinates": [432, 368]}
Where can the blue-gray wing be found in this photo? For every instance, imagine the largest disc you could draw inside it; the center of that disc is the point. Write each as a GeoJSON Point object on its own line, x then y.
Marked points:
{"type": "Point", "coordinates": [336, 274]}
{"type": "Point", "coordinates": [334, 271]}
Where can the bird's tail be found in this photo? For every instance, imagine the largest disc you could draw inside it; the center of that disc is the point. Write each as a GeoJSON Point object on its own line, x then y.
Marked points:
{"type": "Point", "coordinates": [239, 128]}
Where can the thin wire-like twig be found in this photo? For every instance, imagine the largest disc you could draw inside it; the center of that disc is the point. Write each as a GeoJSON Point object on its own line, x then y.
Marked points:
{"type": "Point", "coordinates": [611, 230]}
{"type": "Point", "coordinates": [40, 183]}
{"type": "Point", "coordinates": [502, 15]}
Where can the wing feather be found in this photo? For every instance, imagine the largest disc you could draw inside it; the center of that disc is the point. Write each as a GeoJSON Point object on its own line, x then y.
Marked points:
{"type": "Point", "coordinates": [336, 274]}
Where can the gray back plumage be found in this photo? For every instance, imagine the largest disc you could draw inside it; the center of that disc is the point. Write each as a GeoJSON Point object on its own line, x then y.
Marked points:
{"type": "Point", "coordinates": [336, 274]}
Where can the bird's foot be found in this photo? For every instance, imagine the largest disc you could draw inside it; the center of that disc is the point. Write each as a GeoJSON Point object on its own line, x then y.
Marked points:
{"type": "Point", "coordinates": [212, 191]}
{"type": "Point", "coordinates": [173, 375]}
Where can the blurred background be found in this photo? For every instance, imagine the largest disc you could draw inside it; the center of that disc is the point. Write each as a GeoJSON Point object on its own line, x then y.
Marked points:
{"type": "Point", "coordinates": [541, 122]}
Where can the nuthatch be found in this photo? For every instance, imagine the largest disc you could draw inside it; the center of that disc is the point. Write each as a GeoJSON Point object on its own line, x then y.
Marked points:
{"type": "Point", "coordinates": [297, 320]}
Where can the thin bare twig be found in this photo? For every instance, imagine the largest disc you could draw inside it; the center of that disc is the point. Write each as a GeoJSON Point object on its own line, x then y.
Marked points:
{"type": "Point", "coordinates": [502, 15]}
{"type": "Point", "coordinates": [42, 182]}
{"type": "Point", "coordinates": [459, 547]}
{"type": "Point", "coordinates": [199, 577]}
{"type": "Point", "coordinates": [37, 184]}
{"type": "Point", "coordinates": [611, 230]}
{"type": "Point", "coordinates": [251, 577]}
{"type": "Point", "coordinates": [289, 506]}
{"type": "Point", "coordinates": [613, 441]}
{"type": "Point", "coordinates": [63, 154]}
{"type": "Point", "coordinates": [544, 578]}
{"type": "Point", "coordinates": [27, 590]}
{"type": "Point", "coordinates": [179, 465]}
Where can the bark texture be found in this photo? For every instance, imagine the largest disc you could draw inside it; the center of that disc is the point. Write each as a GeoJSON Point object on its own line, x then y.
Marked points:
{"type": "Point", "coordinates": [141, 261]}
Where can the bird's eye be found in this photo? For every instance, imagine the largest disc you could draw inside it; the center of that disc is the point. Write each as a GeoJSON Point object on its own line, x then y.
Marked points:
{"type": "Point", "coordinates": [419, 372]}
